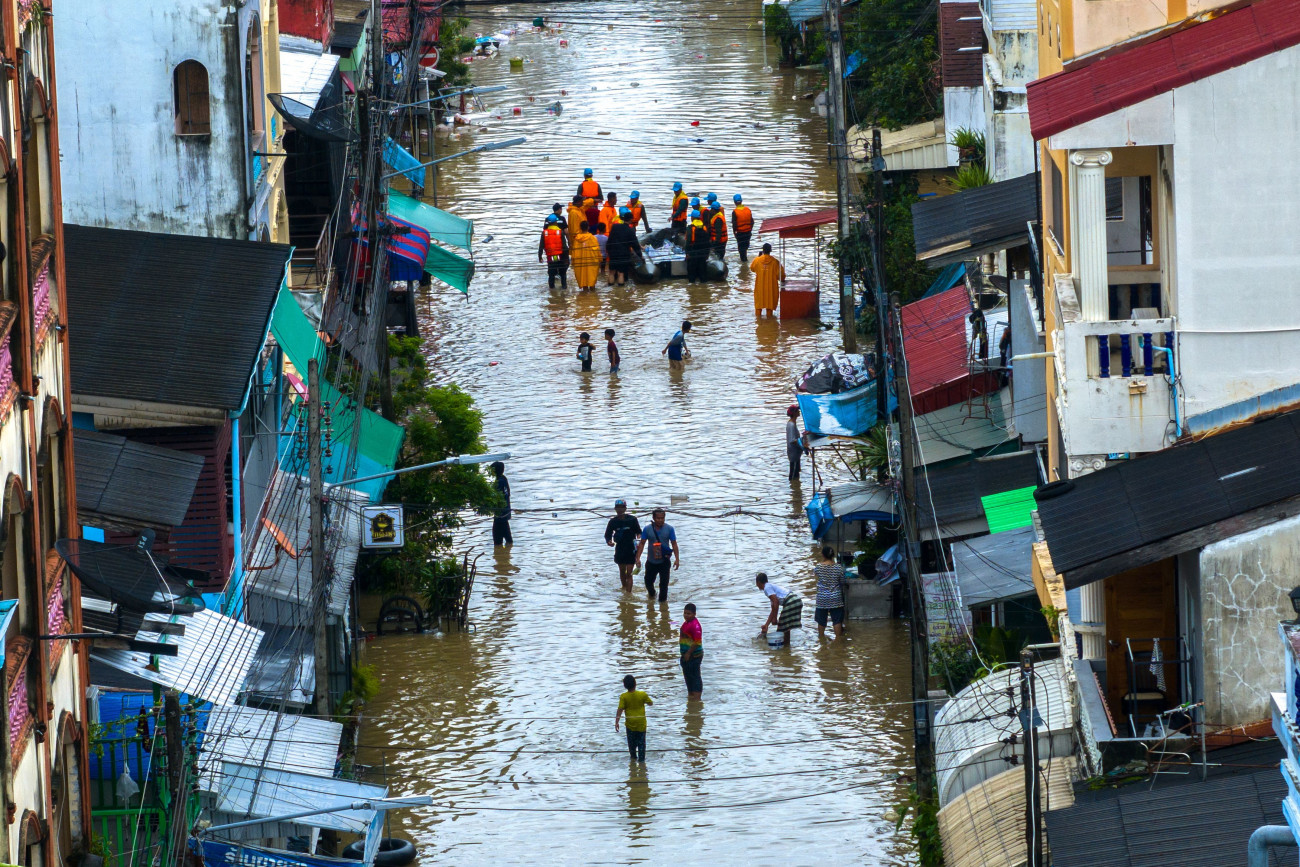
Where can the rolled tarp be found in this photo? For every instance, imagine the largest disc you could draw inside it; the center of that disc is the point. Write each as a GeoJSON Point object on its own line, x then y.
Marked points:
{"type": "Point", "coordinates": [442, 227]}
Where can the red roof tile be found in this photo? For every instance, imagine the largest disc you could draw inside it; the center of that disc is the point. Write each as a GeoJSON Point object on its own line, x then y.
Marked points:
{"type": "Point", "coordinates": [1184, 53]}
{"type": "Point", "coordinates": [934, 339]}
{"type": "Point", "coordinates": [810, 220]}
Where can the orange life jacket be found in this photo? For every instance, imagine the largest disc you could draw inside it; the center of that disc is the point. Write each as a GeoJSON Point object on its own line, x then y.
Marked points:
{"type": "Point", "coordinates": [553, 241]}
{"type": "Point", "coordinates": [608, 215]}
{"type": "Point", "coordinates": [589, 189]}
{"type": "Point", "coordinates": [637, 212]}
{"type": "Point", "coordinates": [696, 235]}
{"type": "Point", "coordinates": [680, 203]}
{"type": "Point", "coordinates": [718, 226]}
{"type": "Point", "coordinates": [744, 218]}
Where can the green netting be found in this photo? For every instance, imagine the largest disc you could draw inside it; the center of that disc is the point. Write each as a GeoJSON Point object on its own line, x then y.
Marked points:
{"type": "Point", "coordinates": [1009, 510]}
{"type": "Point", "coordinates": [441, 226]}
{"type": "Point", "coordinates": [449, 268]}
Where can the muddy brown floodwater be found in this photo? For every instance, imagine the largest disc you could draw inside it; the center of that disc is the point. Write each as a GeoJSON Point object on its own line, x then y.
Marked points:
{"type": "Point", "coordinates": [795, 755]}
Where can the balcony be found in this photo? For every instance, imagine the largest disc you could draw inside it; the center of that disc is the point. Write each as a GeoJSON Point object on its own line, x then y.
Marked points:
{"type": "Point", "coordinates": [1113, 386]}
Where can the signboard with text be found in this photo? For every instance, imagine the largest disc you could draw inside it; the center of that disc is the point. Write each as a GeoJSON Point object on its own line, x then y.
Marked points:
{"type": "Point", "coordinates": [382, 527]}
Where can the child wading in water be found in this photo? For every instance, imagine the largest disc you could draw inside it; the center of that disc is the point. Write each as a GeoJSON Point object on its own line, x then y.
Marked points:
{"type": "Point", "coordinates": [612, 348]}
{"type": "Point", "coordinates": [633, 703]}
{"type": "Point", "coordinates": [584, 350]}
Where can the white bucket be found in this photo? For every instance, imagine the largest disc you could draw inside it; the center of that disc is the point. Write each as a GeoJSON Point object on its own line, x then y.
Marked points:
{"type": "Point", "coordinates": [775, 639]}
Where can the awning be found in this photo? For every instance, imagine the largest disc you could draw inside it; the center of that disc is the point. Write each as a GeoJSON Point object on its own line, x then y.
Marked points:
{"type": "Point", "coordinates": [451, 269]}
{"type": "Point", "coordinates": [1181, 499]}
{"type": "Point", "coordinates": [283, 670]}
{"type": "Point", "coordinates": [196, 670]}
{"type": "Point", "coordinates": [974, 731]}
{"type": "Point", "coordinates": [276, 741]}
{"type": "Point", "coordinates": [380, 440]}
{"type": "Point", "coordinates": [950, 496]}
{"type": "Point", "coordinates": [994, 568]}
{"type": "Point", "coordinates": [399, 159]}
{"type": "Point", "coordinates": [949, 277]}
{"type": "Point", "coordinates": [304, 70]}
{"type": "Point", "coordinates": [127, 485]}
{"type": "Point", "coordinates": [444, 227]}
{"type": "Point", "coordinates": [806, 10]}
{"type": "Point", "coordinates": [407, 245]}
{"type": "Point", "coordinates": [799, 225]}
{"type": "Point", "coordinates": [280, 564]}
{"type": "Point", "coordinates": [962, 429]}
{"type": "Point", "coordinates": [985, 827]}
{"type": "Point", "coordinates": [917, 147]}
{"type": "Point", "coordinates": [254, 792]}
{"type": "Point", "coordinates": [973, 222]}
{"type": "Point", "coordinates": [848, 413]}
{"type": "Point", "coordinates": [1009, 510]}
{"type": "Point", "coordinates": [851, 501]}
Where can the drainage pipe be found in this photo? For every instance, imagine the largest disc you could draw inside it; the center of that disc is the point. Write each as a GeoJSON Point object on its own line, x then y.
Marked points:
{"type": "Point", "coordinates": [1262, 838]}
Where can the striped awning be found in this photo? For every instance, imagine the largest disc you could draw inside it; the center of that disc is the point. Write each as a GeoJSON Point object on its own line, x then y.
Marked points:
{"type": "Point", "coordinates": [407, 245]}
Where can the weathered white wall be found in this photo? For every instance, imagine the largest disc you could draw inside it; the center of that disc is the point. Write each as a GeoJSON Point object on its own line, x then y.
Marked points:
{"type": "Point", "coordinates": [963, 107]}
{"type": "Point", "coordinates": [122, 164]}
{"type": "Point", "coordinates": [1237, 217]}
{"type": "Point", "coordinates": [1029, 377]}
{"type": "Point", "coordinates": [1244, 586]}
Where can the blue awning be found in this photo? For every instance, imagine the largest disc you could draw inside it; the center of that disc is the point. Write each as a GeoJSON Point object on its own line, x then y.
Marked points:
{"type": "Point", "coordinates": [851, 501]}
{"type": "Point", "coordinates": [806, 10]}
{"type": "Point", "coordinates": [7, 609]}
{"type": "Point", "coordinates": [949, 277]}
{"type": "Point", "coordinates": [399, 159]}
{"type": "Point", "coordinates": [264, 793]}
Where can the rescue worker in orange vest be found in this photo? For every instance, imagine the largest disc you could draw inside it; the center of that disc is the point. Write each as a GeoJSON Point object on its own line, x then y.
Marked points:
{"type": "Point", "coordinates": [554, 247]}
{"type": "Point", "coordinates": [697, 248]}
{"type": "Point", "coordinates": [742, 223]}
{"type": "Point", "coordinates": [718, 230]}
{"type": "Point", "coordinates": [681, 211]}
{"type": "Point", "coordinates": [589, 189]}
{"type": "Point", "coordinates": [638, 212]}
{"type": "Point", "coordinates": [609, 213]}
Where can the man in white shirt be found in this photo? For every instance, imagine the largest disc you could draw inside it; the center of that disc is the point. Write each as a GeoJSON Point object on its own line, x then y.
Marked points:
{"type": "Point", "coordinates": [786, 608]}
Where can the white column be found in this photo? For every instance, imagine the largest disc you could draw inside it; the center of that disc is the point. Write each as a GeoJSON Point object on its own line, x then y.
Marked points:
{"type": "Point", "coordinates": [1092, 619]}
{"type": "Point", "coordinates": [1088, 231]}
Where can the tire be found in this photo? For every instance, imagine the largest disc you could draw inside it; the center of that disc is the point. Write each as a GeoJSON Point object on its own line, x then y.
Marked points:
{"type": "Point", "coordinates": [393, 852]}
{"type": "Point", "coordinates": [1053, 489]}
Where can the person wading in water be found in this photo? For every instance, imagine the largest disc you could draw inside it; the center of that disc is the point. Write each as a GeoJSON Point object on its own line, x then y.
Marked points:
{"type": "Point", "coordinates": [621, 534]}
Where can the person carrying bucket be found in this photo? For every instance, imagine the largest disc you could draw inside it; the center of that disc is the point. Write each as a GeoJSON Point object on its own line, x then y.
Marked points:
{"type": "Point", "coordinates": [589, 189]}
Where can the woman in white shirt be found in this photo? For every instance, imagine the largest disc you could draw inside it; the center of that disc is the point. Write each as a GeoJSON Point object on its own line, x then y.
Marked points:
{"type": "Point", "coordinates": [787, 608]}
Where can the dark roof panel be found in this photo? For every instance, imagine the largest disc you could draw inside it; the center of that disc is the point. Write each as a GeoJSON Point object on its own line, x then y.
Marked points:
{"type": "Point", "coordinates": [133, 482]}
{"type": "Point", "coordinates": [961, 68]}
{"type": "Point", "coordinates": [1156, 496]}
{"type": "Point", "coordinates": [172, 319]}
{"type": "Point", "coordinates": [971, 222]}
{"type": "Point", "coordinates": [956, 489]}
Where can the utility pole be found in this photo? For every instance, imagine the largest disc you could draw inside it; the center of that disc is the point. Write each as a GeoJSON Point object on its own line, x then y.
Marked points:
{"type": "Point", "coordinates": [1033, 806]}
{"type": "Point", "coordinates": [918, 627]}
{"type": "Point", "coordinates": [839, 152]}
{"type": "Point", "coordinates": [878, 269]}
{"type": "Point", "coordinates": [319, 593]}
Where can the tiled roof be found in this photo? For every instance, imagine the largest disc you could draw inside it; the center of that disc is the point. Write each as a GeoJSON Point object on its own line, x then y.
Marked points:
{"type": "Point", "coordinates": [934, 339]}
{"type": "Point", "coordinates": [1149, 66]}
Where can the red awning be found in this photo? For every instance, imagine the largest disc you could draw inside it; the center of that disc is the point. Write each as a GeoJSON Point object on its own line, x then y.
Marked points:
{"type": "Point", "coordinates": [1149, 66]}
{"type": "Point", "coordinates": [934, 338]}
{"type": "Point", "coordinates": [799, 225]}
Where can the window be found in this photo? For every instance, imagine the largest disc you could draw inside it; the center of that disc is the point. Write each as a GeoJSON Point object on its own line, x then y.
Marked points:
{"type": "Point", "coordinates": [1056, 228]}
{"type": "Point", "coordinates": [190, 87]}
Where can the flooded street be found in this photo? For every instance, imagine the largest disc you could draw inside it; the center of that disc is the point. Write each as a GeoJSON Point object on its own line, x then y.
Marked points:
{"type": "Point", "coordinates": [795, 754]}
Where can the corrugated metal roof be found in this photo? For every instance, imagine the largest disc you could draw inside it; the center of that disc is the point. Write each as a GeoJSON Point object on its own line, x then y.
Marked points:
{"type": "Point", "coordinates": [856, 497]}
{"type": "Point", "coordinates": [252, 792]}
{"type": "Point", "coordinates": [277, 572]}
{"type": "Point", "coordinates": [960, 66]}
{"type": "Point", "coordinates": [1194, 824]}
{"type": "Point", "coordinates": [985, 827]}
{"type": "Point", "coordinates": [806, 10]}
{"type": "Point", "coordinates": [252, 736]}
{"type": "Point", "coordinates": [212, 660]}
{"type": "Point", "coordinates": [973, 222]}
{"type": "Point", "coordinates": [810, 220]}
{"type": "Point", "coordinates": [1138, 502]}
{"type": "Point", "coordinates": [1013, 15]}
{"type": "Point", "coordinates": [1009, 510]}
{"type": "Point", "coordinates": [133, 482]}
{"type": "Point", "coordinates": [174, 319]}
{"type": "Point", "coordinates": [304, 70]}
{"type": "Point", "coordinates": [958, 430]}
{"type": "Point", "coordinates": [1150, 65]}
{"type": "Point", "coordinates": [934, 338]}
{"type": "Point", "coordinates": [993, 568]}
{"type": "Point", "coordinates": [957, 488]}
{"type": "Point", "coordinates": [973, 729]}
{"type": "Point", "coordinates": [284, 669]}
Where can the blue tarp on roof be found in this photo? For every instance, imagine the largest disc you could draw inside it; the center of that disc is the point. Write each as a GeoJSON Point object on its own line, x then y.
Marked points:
{"type": "Point", "coordinates": [819, 514]}
{"type": "Point", "coordinates": [949, 277]}
{"type": "Point", "coordinates": [806, 10]}
{"type": "Point", "coordinates": [848, 414]}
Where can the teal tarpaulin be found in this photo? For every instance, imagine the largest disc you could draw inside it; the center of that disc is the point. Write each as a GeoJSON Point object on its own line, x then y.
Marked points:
{"type": "Point", "coordinates": [399, 159]}
{"type": "Point", "coordinates": [949, 277]}
{"type": "Point", "coordinates": [449, 268]}
{"type": "Point", "coordinates": [442, 227]}
{"type": "Point", "coordinates": [847, 414]}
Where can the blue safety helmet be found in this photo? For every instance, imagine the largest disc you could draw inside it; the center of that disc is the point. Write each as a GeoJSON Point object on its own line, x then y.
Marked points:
{"type": "Point", "coordinates": [625, 212]}
{"type": "Point", "coordinates": [713, 197]}
{"type": "Point", "coordinates": [635, 195]}
{"type": "Point", "coordinates": [695, 201]}
{"type": "Point", "coordinates": [551, 220]}
{"type": "Point", "coordinates": [715, 205]}
{"type": "Point", "coordinates": [677, 188]}
{"type": "Point", "coordinates": [695, 215]}
{"type": "Point", "coordinates": [586, 173]}
{"type": "Point", "coordinates": [736, 198]}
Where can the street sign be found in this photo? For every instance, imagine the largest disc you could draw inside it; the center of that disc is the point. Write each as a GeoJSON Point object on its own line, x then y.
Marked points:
{"type": "Point", "coordinates": [382, 527]}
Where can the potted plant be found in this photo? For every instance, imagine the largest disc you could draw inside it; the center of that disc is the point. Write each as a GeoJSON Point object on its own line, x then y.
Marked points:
{"type": "Point", "coordinates": [969, 144]}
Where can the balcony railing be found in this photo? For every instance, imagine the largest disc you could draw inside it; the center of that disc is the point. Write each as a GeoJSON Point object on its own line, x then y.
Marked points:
{"type": "Point", "coordinates": [1147, 360]}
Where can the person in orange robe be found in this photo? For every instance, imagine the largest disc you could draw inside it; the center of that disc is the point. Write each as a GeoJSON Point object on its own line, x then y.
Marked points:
{"type": "Point", "coordinates": [769, 274]}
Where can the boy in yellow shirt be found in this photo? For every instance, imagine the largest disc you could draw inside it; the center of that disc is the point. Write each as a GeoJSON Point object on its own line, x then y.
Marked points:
{"type": "Point", "coordinates": [633, 703]}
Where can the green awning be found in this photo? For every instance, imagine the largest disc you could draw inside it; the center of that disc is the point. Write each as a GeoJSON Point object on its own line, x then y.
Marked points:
{"type": "Point", "coordinates": [449, 268]}
{"type": "Point", "coordinates": [380, 440]}
{"type": "Point", "coordinates": [1009, 510]}
{"type": "Point", "coordinates": [441, 226]}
